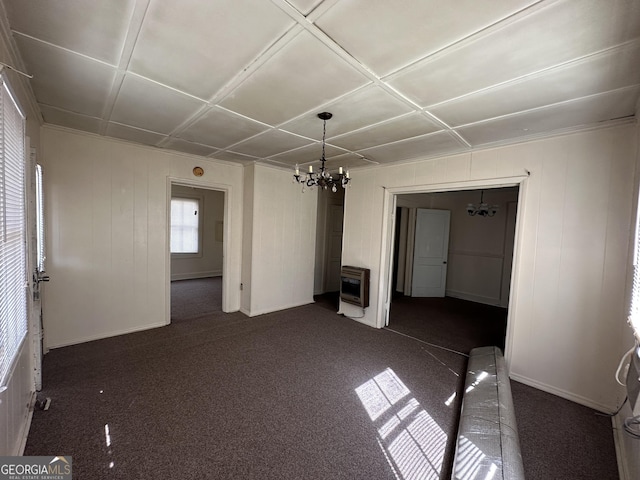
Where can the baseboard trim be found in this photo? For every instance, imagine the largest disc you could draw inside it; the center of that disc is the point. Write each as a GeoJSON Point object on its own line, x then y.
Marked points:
{"type": "Point", "coordinates": [473, 298]}
{"type": "Point", "coordinates": [255, 313]}
{"type": "Point", "coordinates": [192, 276]}
{"type": "Point", "coordinates": [108, 335]}
{"type": "Point", "coordinates": [562, 393]}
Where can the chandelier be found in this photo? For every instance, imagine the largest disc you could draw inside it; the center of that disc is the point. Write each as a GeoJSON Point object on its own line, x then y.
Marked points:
{"type": "Point", "coordinates": [482, 209]}
{"type": "Point", "coordinates": [322, 179]}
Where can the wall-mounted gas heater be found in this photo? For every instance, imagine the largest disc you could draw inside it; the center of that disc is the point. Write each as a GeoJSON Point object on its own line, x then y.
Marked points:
{"type": "Point", "coordinates": [354, 285]}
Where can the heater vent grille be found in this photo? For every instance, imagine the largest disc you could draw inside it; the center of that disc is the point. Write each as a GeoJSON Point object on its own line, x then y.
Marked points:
{"type": "Point", "coordinates": [354, 285]}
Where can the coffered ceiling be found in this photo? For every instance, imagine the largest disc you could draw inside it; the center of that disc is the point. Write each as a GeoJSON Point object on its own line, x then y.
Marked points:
{"type": "Point", "coordinates": [243, 80]}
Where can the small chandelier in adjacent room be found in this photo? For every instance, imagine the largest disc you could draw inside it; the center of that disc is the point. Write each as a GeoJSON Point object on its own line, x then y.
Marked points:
{"type": "Point", "coordinates": [482, 209]}
{"type": "Point", "coordinates": [322, 179]}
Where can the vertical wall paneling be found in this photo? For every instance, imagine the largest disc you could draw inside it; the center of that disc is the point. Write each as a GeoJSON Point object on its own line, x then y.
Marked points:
{"type": "Point", "coordinates": [568, 234]}
{"type": "Point", "coordinates": [283, 242]}
{"type": "Point", "coordinates": [107, 205]}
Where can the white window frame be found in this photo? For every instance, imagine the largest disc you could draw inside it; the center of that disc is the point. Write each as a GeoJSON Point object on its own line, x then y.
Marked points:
{"type": "Point", "coordinates": [13, 243]}
{"type": "Point", "coordinates": [200, 200]}
{"type": "Point", "coordinates": [41, 256]}
{"type": "Point", "coordinates": [634, 303]}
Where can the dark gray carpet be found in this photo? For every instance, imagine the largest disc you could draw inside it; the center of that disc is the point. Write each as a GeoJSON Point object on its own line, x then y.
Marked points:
{"type": "Point", "coordinates": [560, 440]}
{"type": "Point", "coordinates": [302, 393]}
{"type": "Point", "coordinates": [195, 298]}
{"type": "Point", "coordinates": [281, 396]}
{"type": "Point", "coordinates": [450, 322]}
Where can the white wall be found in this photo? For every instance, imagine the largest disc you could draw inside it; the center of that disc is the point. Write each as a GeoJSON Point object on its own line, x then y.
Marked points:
{"type": "Point", "coordinates": [208, 263]}
{"type": "Point", "coordinates": [106, 204]}
{"type": "Point", "coordinates": [575, 214]}
{"type": "Point", "coordinates": [283, 236]}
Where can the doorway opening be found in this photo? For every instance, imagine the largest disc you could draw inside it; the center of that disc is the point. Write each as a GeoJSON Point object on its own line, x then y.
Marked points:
{"type": "Point", "coordinates": [329, 229]}
{"type": "Point", "coordinates": [450, 276]}
{"type": "Point", "coordinates": [196, 252]}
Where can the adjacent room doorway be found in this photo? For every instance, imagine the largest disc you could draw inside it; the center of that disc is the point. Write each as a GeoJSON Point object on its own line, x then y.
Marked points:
{"type": "Point", "coordinates": [479, 261]}
{"type": "Point", "coordinates": [196, 254]}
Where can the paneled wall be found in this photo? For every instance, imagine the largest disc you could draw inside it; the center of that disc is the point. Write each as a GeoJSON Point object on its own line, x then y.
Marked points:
{"type": "Point", "coordinates": [282, 244]}
{"type": "Point", "coordinates": [208, 263]}
{"type": "Point", "coordinates": [568, 308]}
{"type": "Point", "coordinates": [106, 204]}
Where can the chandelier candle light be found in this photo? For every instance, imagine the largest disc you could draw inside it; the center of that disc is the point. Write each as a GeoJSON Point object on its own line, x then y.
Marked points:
{"type": "Point", "coordinates": [322, 179]}
{"type": "Point", "coordinates": [482, 209]}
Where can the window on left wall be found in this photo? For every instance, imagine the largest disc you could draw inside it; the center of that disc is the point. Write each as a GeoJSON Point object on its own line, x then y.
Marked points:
{"type": "Point", "coordinates": [185, 225]}
{"type": "Point", "coordinates": [13, 272]}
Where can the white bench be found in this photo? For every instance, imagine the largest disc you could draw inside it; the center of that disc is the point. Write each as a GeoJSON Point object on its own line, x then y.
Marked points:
{"type": "Point", "coordinates": [487, 444]}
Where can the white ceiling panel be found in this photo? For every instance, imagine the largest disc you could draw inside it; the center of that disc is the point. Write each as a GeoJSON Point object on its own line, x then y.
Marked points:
{"type": "Point", "coordinates": [584, 111]}
{"type": "Point", "coordinates": [300, 77]}
{"type": "Point", "coordinates": [348, 160]}
{"type": "Point", "coordinates": [234, 157]}
{"type": "Point", "coordinates": [270, 143]}
{"type": "Point", "coordinates": [221, 128]}
{"type": "Point", "coordinates": [403, 79]}
{"type": "Point", "coordinates": [425, 146]}
{"type": "Point", "coordinates": [385, 36]}
{"type": "Point", "coordinates": [134, 134]}
{"type": "Point", "coordinates": [65, 80]}
{"type": "Point", "coordinates": [307, 154]}
{"type": "Point", "coordinates": [613, 69]}
{"type": "Point", "coordinates": [408, 126]}
{"type": "Point", "coordinates": [151, 106]}
{"type": "Point", "coordinates": [198, 46]}
{"type": "Point", "coordinates": [103, 24]}
{"type": "Point", "coordinates": [305, 6]}
{"type": "Point", "coordinates": [558, 33]}
{"type": "Point", "coordinates": [188, 147]}
{"type": "Point", "coordinates": [348, 113]}
{"type": "Point", "coordinates": [70, 120]}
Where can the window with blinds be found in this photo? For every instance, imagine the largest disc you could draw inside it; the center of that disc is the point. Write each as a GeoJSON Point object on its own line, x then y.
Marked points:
{"type": "Point", "coordinates": [185, 225]}
{"type": "Point", "coordinates": [13, 274]}
{"type": "Point", "coordinates": [40, 221]}
{"type": "Point", "coordinates": [634, 310]}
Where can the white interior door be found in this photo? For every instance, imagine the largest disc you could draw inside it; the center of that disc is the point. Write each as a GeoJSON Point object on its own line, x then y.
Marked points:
{"type": "Point", "coordinates": [431, 247]}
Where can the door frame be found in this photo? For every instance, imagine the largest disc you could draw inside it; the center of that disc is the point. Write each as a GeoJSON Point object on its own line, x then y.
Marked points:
{"type": "Point", "coordinates": [226, 238]}
{"type": "Point", "coordinates": [388, 238]}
